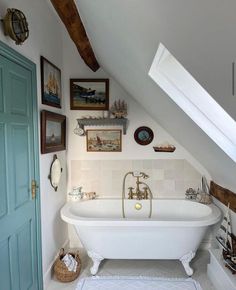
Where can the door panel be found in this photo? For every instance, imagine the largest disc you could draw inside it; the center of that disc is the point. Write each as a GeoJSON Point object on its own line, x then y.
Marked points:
{"type": "Point", "coordinates": [19, 259]}
{"type": "Point", "coordinates": [21, 167]}
{"type": "Point", "coordinates": [19, 82]}
{"type": "Point", "coordinates": [5, 271]}
{"type": "Point", "coordinates": [3, 191]}
{"type": "Point", "coordinates": [1, 88]}
{"type": "Point", "coordinates": [25, 252]}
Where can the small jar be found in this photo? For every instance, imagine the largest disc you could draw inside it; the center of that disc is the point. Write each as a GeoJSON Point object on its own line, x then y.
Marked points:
{"type": "Point", "coordinates": [105, 114]}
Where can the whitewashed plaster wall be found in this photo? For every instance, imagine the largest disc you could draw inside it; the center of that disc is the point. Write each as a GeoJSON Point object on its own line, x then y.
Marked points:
{"type": "Point", "coordinates": [83, 165]}
{"type": "Point", "coordinates": [75, 68]}
{"type": "Point", "coordinates": [126, 35]}
{"type": "Point", "coordinates": [45, 39]}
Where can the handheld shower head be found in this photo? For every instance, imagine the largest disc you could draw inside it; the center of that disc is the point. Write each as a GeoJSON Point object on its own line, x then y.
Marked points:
{"type": "Point", "coordinates": [140, 174]}
{"type": "Point", "coordinates": [145, 176]}
{"type": "Point", "coordinates": [137, 174]}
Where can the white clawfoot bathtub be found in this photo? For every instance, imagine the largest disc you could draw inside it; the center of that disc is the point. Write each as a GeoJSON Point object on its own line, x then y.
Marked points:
{"type": "Point", "coordinates": [174, 231]}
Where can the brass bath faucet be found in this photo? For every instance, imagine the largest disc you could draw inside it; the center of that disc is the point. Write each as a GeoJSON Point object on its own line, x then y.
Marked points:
{"type": "Point", "coordinates": [144, 193]}
{"type": "Point", "coordinates": [138, 194]}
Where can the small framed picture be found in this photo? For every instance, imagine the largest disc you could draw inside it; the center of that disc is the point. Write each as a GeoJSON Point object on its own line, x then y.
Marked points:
{"type": "Point", "coordinates": [143, 135]}
{"type": "Point", "coordinates": [104, 140]}
{"type": "Point", "coordinates": [53, 132]}
{"type": "Point", "coordinates": [50, 83]}
{"type": "Point", "coordinates": [89, 94]}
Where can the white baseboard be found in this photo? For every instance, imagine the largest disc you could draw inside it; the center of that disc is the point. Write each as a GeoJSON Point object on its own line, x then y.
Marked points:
{"type": "Point", "coordinates": [47, 276]}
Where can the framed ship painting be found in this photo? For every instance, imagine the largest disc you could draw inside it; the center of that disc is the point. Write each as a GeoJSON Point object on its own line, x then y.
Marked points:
{"type": "Point", "coordinates": [53, 132]}
{"type": "Point", "coordinates": [89, 94]}
{"type": "Point", "coordinates": [105, 140]}
{"type": "Point", "coordinates": [50, 83]}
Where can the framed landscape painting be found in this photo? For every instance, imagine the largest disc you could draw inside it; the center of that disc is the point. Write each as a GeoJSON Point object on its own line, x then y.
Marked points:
{"type": "Point", "coordinates": [104, 140]}
{"type": "Point", "coordinates": [89, 94]}
{"type": "Point", "coordinates": [53, 132]}
{"type": "Point", "coordinates": [50, 83]}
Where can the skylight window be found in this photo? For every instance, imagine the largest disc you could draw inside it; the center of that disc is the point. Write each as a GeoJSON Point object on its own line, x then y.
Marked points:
{"type": "Point", "coordinates": [194, 100]}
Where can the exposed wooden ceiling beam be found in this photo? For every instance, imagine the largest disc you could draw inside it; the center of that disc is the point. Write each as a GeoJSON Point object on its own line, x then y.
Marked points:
{"type": "Point", "coordinates": [223, 195]}
{"type": "Point", "coordinates": [69, 14]}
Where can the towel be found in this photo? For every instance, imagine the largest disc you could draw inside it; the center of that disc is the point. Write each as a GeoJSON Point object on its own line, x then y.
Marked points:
{"type": "Point", "coordinates": [70, 263]}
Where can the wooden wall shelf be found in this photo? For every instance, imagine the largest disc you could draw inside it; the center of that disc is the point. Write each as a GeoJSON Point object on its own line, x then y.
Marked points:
{"type": "Point", "coordinates": [104, 122]}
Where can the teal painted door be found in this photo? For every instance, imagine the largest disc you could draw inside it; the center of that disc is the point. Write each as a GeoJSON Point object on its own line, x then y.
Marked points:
{"type": "Point", "coordinates": [20, 268]}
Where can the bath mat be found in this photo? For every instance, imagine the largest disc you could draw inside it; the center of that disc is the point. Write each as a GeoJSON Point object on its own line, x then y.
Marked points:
{"type": "Point", "coordinates": [136, 283]}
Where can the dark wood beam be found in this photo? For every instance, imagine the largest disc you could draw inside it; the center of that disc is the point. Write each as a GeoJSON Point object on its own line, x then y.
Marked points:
{"type": "Point", "coordinates": [67, 10]}
{"type": "Point", "coordinates": [223, 195]}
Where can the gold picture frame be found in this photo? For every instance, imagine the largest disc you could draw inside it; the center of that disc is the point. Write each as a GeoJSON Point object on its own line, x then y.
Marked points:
{"type": "Point", "coordinates": [89, 94]}
{"type": "Point", "coordinates": [104, 140]}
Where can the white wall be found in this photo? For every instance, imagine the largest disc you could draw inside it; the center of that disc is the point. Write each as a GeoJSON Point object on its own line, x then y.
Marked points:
{"type": "Point", "coordinates": [198, 34]}
{"type": "Point", "coordinates": [170, 173]}
{"type": "Point", "coordinates": [126, 35]}
{"type": "Point", "coordinates": [45, 39]}
{"type": "Point", "coordinates": [75, 68]}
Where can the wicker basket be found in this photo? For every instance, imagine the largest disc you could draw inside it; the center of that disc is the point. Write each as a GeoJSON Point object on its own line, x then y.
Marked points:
{"type": "Point", "coordinates": [60, 270]}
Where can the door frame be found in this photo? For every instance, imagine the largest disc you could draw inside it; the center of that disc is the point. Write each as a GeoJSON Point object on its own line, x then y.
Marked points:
{"type": "Point", "coordinates": [21, 60]}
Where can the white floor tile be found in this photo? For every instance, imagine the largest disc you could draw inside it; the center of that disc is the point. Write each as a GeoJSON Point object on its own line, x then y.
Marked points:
{"type": "Point", "coordinates": [156, 268]}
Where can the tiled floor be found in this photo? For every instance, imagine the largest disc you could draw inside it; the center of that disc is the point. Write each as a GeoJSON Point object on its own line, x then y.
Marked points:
{"type": "Point", "coordinates": [170, 269]}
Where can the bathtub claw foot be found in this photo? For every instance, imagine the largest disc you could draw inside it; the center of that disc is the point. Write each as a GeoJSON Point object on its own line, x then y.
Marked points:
{"type": "Point", "coordinates": [96, 258]}
{"type": "Point", "coordinates": [185, 260]}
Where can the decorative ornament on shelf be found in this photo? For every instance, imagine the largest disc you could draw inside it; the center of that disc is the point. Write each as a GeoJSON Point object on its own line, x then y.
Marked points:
{"type": "Point", "coordinates": [119, 109]}
{"type": "Point", "coordinates": [79, 131]}
{"type": "Point", "coordinates": [76, 194]}
{"type": "Point", "coordinates": [204, 198]}
{"type": "Point", "coordinates": [204, 192]}
{"type": "Point", "coordinates": [89, 195]}
{"type": "Point", "coordinates": [191, 193]}
{"type": "Point", "coordinates": [15, 25]}
{"type": "Point", "coordinates": [164, 147]}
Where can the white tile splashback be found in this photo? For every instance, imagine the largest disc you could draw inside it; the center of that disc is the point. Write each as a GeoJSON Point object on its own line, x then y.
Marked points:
{"type": "Point", "coordinates": [168, 177]}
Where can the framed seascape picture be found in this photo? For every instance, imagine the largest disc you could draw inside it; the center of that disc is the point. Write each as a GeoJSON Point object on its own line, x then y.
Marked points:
{"type": "Point", "coordinates": [53, 132]}
{"type": "Point", "coordinates": [50, 83]}
{"type": "Point", "coordinates": [89, 94]}
{"type": "Point", "coordinates": [104, 140]}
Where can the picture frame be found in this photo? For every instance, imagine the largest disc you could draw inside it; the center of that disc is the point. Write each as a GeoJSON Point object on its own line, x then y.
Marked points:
{"type": "Point", "coordinates": [53, 132]}
{"type": "Point", "coordinates": [104, 140]}
{"type": "Point", "coordinates": [50, 83]}
{"type": "Point", "coordinates": [89, 94]}
{"type": "Point", "coordinates": [143, 135]}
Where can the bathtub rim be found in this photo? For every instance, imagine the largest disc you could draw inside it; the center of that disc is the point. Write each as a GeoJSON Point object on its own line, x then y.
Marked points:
{"type": "Point", "coordinates": [73, 219]}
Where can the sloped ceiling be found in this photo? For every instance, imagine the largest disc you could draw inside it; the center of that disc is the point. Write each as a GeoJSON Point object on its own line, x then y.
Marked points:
{"type": "Point", "coordinates": [201, 34]}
